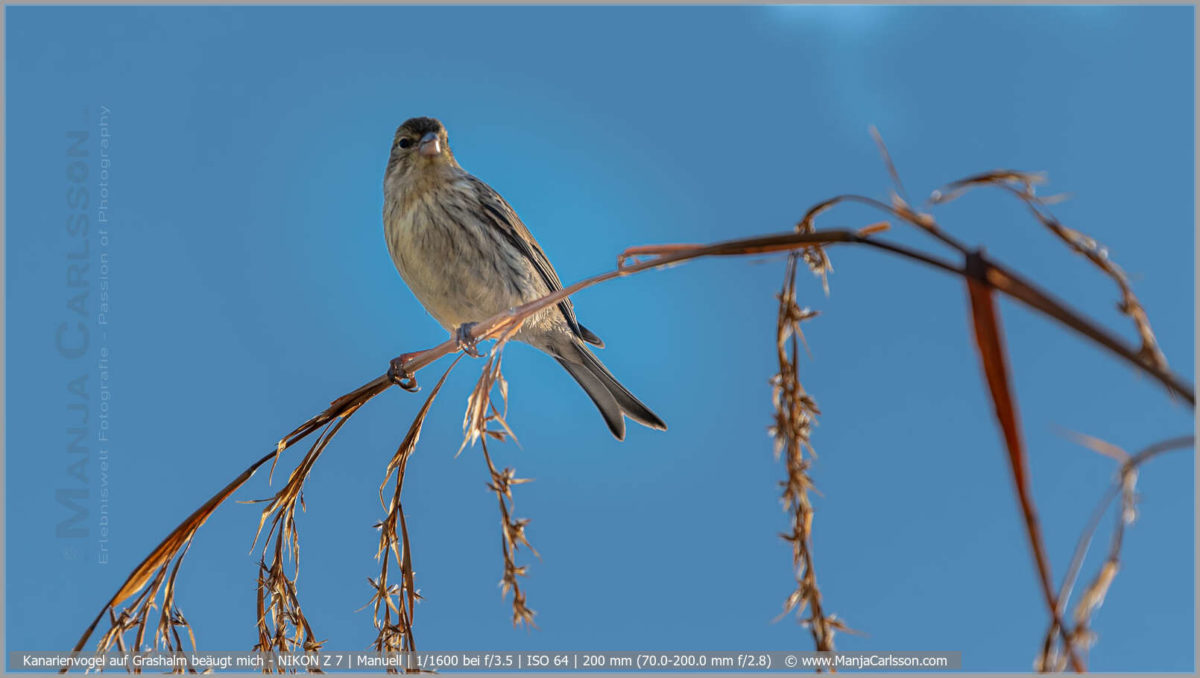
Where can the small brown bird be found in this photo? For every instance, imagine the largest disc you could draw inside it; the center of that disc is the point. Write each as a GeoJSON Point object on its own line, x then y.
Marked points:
{"type": "Point", "coordinates": [466, 256]}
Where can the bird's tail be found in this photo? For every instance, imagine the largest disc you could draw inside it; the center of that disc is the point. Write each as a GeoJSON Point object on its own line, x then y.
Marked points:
{"type": "Point", "coordinates": [612, 399]}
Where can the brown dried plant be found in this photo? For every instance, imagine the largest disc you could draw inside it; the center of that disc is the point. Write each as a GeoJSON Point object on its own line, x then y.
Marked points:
{"type": "Point", "coordinates": [1022, 185]}
{"type": "Point", "coordinates": [795, 416]}
{"type": "Point", "coordinates": [282, 625]}
{"type": "Point", "coordinates": [1124, 485]}
{"type": "Point", "coordinates": [396, 634]}
{"type": "Point", "coordinates": [150, 577]}
{"type": "Point", "coordinates": [477, 426]}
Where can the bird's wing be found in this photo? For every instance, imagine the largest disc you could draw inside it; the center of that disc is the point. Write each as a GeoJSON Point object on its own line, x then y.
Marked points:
{"type": "Point", "coordinates": [505, 219]}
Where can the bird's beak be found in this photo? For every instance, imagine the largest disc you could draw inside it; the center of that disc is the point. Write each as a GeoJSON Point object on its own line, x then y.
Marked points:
{"type": "Point", "coordinates": [430, 145]}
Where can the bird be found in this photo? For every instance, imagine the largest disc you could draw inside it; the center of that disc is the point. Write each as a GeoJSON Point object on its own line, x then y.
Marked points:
{"type": "Point", "coordinates": [466, 256]}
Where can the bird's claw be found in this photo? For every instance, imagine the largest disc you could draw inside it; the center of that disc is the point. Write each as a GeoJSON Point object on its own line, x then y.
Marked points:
{"type": "Point", "coordinates": [402, 377]}
{"type": "Point", "coordinates": [466, 342]}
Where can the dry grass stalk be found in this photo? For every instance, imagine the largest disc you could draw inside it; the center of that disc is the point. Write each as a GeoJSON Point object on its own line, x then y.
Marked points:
{"type": "Point", "coordinates": [482, 412]}
{"type": "Point", "coordinates": [802, 239]}
{"type": "Point", "coordinates": [1124, 485]}
{"type": "Point", "coordinates": [136, 618]}
{"type": "Point", "coordinates": [396, 634]}
{"type": "Point", "coordinates": [154, 575]}
{"type": "Point", "coordinates": [1022, 185]}
{"type": "Point", "coordinates": [160, 568]}
{"type": "Point", "coordinates": [795, 416]}
{"type": "Point", "coordinates": [282, 625]}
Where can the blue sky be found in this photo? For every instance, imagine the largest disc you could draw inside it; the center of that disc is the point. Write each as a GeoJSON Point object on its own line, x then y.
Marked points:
{"type": "Point", "coordinates": [249, 284]}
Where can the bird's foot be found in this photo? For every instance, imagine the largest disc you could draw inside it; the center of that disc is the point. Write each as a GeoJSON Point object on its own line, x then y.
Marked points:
{"type": "Point", "coordinates": [466, 343]}
{"type": "Point", "coordinates": [401, 376]}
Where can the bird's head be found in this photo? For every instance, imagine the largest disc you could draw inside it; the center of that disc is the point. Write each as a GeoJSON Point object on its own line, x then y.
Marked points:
{"type": "Point", "coordinates": [420, 146]}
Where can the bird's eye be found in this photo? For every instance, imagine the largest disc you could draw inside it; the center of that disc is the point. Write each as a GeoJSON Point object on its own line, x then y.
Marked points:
{"type": "Point", "coordinates": [405, 142]}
